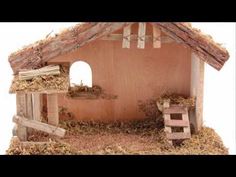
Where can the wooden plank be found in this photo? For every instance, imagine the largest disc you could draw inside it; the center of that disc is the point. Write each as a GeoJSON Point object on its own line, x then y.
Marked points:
{"type": "Point", "coordinates": [36, 106]}
{"type": "Point", "coordinates": [39, 126]}
{"type": "Point", "coordinates": [126, 37]}
{"type": "Point", "coordinates": [156, 37]}
{"type": "Point", "coordinates": [21, 111]}
{"type": "Point", "coordinates": [47, 70]}
{"type": "Point", "coordinates": [141, 35]}
{"type": "Point", "coordinates": [196, 90]}
{"type": "Point", "coordinates": [178, 135]}
{"type": "Point", "coordinates": [176, 123]}
{"type": "Point", "coordinates": [175, 110]}
{"type": "Point", "coordinates": [134, 37]}
{"type": "Point", "coordinates": [29, 106]}
{"type": "Point", "coordinates": [52, 105]}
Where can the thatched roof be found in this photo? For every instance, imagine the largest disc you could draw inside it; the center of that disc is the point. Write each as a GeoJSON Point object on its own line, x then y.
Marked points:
{"type": "Point", "coordinates": [37, 54]}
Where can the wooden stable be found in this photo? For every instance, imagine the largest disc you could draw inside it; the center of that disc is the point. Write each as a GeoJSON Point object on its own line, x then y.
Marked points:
{"type": "Point", "coordinates": [134, 61]}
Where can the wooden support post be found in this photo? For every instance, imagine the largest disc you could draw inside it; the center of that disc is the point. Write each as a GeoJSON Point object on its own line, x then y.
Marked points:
{"type": "Point", "coordinates": [21, 131]}
{"type": "Point", "coordinates": [36, 106]}
{"type": "Point", "coordinates": [126, 37]}
{"type": "Point", "coordinates": [156, 37]}
{"type": "Point", "coordinates": [141, 35]}
{"type": "Point", "coordinates": [53, 116]}
{"type": "Point", "coordinates": [196, 90]}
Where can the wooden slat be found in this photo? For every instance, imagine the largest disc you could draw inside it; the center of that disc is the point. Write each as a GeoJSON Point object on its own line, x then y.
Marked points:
{"type": "Point", "coordinates": [141, 35]}
{"type": "Point", "coordinates": [126, 37]}
{"type": "Point", "coordinates": [178, 135]}
{"type": "Point", "coordinates": [29, 106]}
{"type": "Point", "coordinates": [21, 111]}
{"type": "Point", "coordinates": [156, 37]}
{"type": "Point", "coordinates": [39, 126]}
{"type": "Point", "coordinates": [175, 110]}
{"type": "Point", "coordinates": [52, 105]}
{"type": "Point", "coordinates": [177, 123]}
{"type": "Point", "coordinates": [36, 106]}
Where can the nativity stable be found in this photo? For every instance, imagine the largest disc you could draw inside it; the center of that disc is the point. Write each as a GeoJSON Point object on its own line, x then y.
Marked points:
{"type": "Point", "coordinates": [130, 63]}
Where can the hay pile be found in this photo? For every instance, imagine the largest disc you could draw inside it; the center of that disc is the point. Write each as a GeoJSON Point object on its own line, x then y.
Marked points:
{"type": "Point", "coordinates": [94, 92]}
{"type": "Point", "coordinates": [41, 83]}
{"type": "Point", "coordinates": [176, 99]}
{"type": "Point", "coordinates": [82, 91]}
{"type": "Point", "coordinates": [45, 148]}
{"type": "Point", "coordinates": [136, 137]}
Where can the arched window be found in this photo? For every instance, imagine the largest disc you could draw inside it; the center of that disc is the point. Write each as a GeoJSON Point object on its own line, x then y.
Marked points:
{"type": "Point", "coordinates": [80, 74]}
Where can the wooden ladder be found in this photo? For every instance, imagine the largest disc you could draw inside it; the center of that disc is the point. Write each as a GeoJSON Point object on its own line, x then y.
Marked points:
{"type": "Point", "coordinates": [169, 110]}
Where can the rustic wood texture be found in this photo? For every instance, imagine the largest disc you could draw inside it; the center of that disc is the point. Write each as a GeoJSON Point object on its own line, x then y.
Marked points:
{"type": "Point", "coordinates": [36, 106]}
{"type": "Point", "coordinates": [178, 135]}
{"type": "Point", "coordinates": [176, 123]}
{"type": "Point", "coordinates": [47, 70]}
{"type": "Point", "coordinates": [209, 51]}
{"type": "Point", "coordinates": [185, 117]}
{"type": "Point", "coordinates": [39, 126]}
{"type": "Point", "coordinates": [141, 35]}
{"type": "Point", "coordinates": [126, 37]}
{"type": "Point", "coordinates": [36, 55]}
{"type": "Point", "coordinates": [156, 37]}
{"type": "Point", "coordinates": [174, 110]}
{"type": "Point", "coordinates": [29, 106]}
{"type": "Point", "coordinates": [21, 110]}
{"type": "Point", "coordinates": [197, 90]}
{"type": "Point", "coordinates": [52, 105]}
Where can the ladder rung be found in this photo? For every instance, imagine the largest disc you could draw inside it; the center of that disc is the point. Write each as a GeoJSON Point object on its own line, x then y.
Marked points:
{"type": "Point", "coordinates": [175, 110]}
{"type": "Point", "coordinates": [176, 123]}
{"type": "Point", "coordinates": [178, 135]}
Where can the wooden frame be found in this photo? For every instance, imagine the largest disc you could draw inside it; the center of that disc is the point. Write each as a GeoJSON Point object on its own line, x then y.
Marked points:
{"type": "Point", "coordinates": [196, 90]}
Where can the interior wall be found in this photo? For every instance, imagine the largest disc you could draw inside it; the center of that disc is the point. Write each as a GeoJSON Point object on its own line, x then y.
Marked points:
{"type": "Point", "coordinates": [134, 75]}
